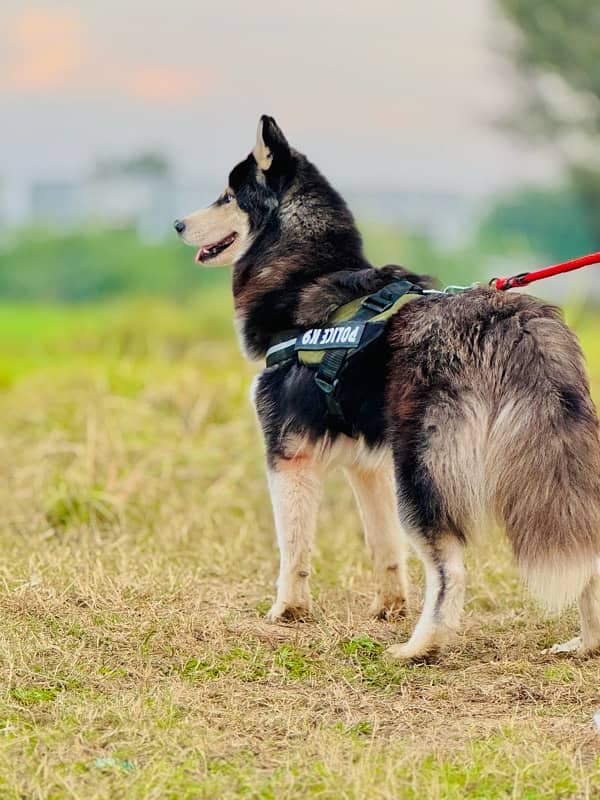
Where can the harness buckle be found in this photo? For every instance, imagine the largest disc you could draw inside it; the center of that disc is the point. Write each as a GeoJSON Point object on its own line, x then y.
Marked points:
{"type": "Point", "coordinates": [380, 301]}
{"type": "Point", "coordinates": [327, 387]}
{"type": "Point", "coordinates": [334, 409]}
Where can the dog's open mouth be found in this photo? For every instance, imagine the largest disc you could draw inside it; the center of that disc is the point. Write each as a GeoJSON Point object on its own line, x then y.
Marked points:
{"type": "Point", "coordinates": [212, 250]}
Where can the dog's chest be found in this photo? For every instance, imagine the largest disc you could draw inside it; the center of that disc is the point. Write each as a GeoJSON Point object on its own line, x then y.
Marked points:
{"type": "Point", "coordinates": [290, 405]}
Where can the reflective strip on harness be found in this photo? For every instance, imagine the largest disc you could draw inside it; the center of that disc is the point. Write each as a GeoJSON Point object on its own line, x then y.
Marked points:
{"type": "Point", "coordinates": [275, 348]}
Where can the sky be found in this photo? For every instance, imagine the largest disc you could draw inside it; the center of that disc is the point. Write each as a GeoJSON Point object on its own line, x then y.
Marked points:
{"type": "Point", "coordinates": [385, 94]}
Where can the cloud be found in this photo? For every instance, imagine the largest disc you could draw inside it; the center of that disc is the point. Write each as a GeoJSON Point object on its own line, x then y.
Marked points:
{"type": "Point", "coordinates": [47, 50]}
{"type": "Point", "coordinates": [50, 51]}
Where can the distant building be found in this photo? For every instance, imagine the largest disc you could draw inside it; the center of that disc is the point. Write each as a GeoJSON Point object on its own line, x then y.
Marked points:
{"type": "Point", "coordinates": [57, 203]}
{"type": "Point", "coordinates": [150, 203]}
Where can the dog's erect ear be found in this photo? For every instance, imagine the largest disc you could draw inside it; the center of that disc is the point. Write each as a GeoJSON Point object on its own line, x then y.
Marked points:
{"type": "Point", "coordinates": [271, 144]}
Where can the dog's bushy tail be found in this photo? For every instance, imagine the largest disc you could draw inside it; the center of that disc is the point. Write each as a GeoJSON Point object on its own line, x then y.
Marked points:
{"type": "Point", "coordinates": [545, 468]}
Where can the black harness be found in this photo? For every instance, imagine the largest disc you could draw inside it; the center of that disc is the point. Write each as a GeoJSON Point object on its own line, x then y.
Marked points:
{"type": "Point", "coordinates": [329, 349]}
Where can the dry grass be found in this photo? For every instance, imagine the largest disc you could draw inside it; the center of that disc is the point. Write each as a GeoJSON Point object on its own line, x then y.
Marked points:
{"type": "Point", "coordinates": [138, 561]}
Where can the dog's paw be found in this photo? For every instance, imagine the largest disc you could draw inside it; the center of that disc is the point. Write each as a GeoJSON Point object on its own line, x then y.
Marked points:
{"type": "Point", "coordinates": [285, 612]}
{"type": "Point", "coordinates": [574, 646]}
{"type": "Point", "coordinates": [408, 653]}
{"type": "Point", "coordinates": [388, 608]}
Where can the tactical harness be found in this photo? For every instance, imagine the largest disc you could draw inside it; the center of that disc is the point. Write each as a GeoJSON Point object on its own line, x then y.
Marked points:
{"type": "Point", "coordinates": [351, 329]}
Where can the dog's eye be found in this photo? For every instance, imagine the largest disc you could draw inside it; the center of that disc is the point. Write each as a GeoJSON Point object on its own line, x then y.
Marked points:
{"type": "Point", "coordinates": [228, 198]}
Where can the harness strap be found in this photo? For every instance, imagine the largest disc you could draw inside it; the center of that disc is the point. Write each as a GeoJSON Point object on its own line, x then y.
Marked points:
{"type": "Point", "coordinates": [282, 350]}
{"type": "Point", "coordinates": [327, 379]}
{"type": "Point", "coordinates": [334, 361]}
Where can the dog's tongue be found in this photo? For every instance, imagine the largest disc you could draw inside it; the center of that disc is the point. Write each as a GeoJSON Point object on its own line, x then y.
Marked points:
{"type": "Point", "coordinates": [201, 254]}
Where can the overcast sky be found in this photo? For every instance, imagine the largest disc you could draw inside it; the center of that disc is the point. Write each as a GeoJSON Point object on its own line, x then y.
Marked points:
{"type": "Point", "coordinates": [380, 94]}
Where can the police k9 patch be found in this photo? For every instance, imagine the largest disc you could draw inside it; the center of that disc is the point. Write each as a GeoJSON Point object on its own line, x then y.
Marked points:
{"type": "Point", "coordinates": [333, 337]}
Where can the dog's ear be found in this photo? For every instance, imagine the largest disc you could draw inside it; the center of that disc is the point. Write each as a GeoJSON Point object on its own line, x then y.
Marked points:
{"type": "Point", "coordinates": [271, 145]}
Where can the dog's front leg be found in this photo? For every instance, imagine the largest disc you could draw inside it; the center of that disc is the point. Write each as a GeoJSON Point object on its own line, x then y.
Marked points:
{"type": "Point", "coordinates": [295, 493]}
{"type": "Point", "coordinates": [375, 493]}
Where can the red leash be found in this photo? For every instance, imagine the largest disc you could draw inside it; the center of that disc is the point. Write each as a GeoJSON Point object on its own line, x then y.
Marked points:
{"type": "Point", "coordinates": [525, 278]}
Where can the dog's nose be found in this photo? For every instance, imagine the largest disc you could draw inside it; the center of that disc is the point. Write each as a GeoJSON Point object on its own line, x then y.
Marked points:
{"type": "Point", "coordinates": [179, 226]}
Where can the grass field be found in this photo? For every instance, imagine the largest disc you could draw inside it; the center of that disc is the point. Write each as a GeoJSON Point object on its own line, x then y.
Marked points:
{"type": "Point", "coordinates": [138, 561]}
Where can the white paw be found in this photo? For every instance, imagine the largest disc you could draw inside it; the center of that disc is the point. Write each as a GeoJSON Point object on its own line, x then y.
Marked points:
{"type": "Point", "coordinates": [572, 646]}
{"type": "Point", "coordinates": [575, 646]}
{"type": "Point", "coordinates": [410, 652]}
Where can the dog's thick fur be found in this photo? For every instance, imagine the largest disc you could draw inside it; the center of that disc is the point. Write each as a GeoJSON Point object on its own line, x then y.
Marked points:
{"type": "Point", "coordinates": [471, 409]}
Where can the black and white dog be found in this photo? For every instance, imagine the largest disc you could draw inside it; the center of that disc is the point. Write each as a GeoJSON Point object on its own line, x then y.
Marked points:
{"type": "Point", "coordinates": [467, 408]}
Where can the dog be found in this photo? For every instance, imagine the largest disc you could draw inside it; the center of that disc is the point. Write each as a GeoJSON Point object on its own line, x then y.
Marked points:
{"type": "Point", "coordinates": [467, 409]}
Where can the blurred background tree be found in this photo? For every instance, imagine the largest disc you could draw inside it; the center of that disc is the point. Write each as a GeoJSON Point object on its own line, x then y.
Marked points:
{"type": "Point", "coordinates": [551, 222]}
{"type": "Point", "coordinates": [555, 46]}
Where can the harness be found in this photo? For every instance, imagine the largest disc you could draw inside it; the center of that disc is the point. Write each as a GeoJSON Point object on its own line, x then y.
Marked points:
{"type": "Point", "coordinates": [328, 349]}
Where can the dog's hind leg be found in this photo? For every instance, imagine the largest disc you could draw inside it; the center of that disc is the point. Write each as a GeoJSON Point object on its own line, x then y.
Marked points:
{"type": "Point", "coordinates": [436, 537]}
{"type": "Point", "coordinates": [444, 597]}
{"type": "Point", "coordinates": [295, 487]}
{"type": "Point", "coordinates": [375, 493]}
{"type": "Point", "coordinates": [589, 611]}
{"type": "Point", "coordinates": [589, 614]}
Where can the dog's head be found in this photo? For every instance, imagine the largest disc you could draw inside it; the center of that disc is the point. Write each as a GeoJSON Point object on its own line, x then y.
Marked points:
{"type": "Point", "coordinates": [225, 230]}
